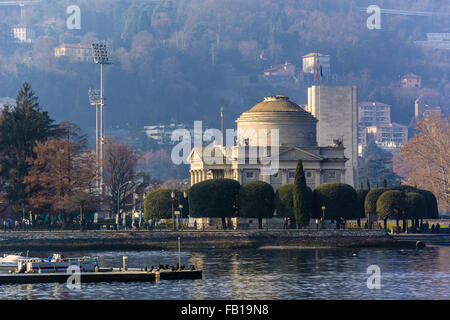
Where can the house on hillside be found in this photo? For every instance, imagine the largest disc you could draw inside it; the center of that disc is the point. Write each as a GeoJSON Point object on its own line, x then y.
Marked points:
{"type": "Point", "coordinates": [74, 51]}
{"type": "Point", "coordinates": [411, 81]}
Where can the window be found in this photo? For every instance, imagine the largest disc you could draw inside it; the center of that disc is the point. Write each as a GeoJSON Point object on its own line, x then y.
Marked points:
{"type": "Point", "coordinates": [291, 174]}
{"type": "Point", "coordinates": [249, 174]}
{"type": "Point", "coordinates": [331, 175]}
{"type": "Point", "coordinates": [308, 174]}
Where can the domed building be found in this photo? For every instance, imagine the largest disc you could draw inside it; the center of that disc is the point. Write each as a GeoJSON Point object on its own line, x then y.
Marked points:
{"type": "Point", "coordinates": [296, 126]}
{"type": "Point", "coordinates": [275, 133]}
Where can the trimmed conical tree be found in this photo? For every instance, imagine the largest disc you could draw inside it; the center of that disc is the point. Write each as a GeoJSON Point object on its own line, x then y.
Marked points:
{"type": "Point", "coordinates": [367, 183]}
{"type": "Point", "coordinates": [302, 197]}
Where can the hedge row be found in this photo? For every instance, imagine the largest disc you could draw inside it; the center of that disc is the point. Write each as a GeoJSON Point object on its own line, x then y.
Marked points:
{"type": "Point", "coordinates": [221, 198]}
{"type": "Point", "coordinates": [402, 202]}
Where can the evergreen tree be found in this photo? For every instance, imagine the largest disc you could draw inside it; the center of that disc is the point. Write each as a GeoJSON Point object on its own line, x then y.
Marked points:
{"type": "Point", "coordinates": [256, 200]}
{"type": "Point", "coordinates": [377, 165]}
{"type": "Point", "coordinates": [302, 197]}
{"type": "Point", "coordinates": [21, 127]}
{"type": "Point", "coordinates": [339, 199]}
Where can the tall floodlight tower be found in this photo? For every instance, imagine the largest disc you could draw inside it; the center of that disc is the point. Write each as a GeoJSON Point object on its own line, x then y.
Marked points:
{"type": "Point", "coordinates": [101, 55]}
{"type": "Point", "coordinates": [94, 100]}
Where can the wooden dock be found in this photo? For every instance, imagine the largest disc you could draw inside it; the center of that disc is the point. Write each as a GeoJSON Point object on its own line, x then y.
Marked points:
{"type": "Point", "coordinates": [101, 276]}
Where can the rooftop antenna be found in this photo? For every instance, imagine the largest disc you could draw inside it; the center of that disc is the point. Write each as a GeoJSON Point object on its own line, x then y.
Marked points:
{"type": "Point", "coordinates": [221, 123]}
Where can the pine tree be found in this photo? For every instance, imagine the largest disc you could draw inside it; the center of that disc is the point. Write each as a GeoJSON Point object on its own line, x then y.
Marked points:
{"type": "Point", "coordinates": [21, 127]}
{"type": "Point", "coordinates": [302, 197]}
{"type": "Point", "coordinates": [367, 183]}
{"type": "Point", "coordinates": [377, 164]}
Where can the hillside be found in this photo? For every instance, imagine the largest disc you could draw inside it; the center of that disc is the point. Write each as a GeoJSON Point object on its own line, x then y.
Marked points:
{"type": "Point", "coordinates": [183, 59]}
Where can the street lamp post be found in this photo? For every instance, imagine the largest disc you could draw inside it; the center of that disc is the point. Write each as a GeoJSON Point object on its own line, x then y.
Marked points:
{"type": "Point", "coordinates": [118, 203]}
{"type": "Point", "coordinates": [142, 210]}
{"type": "Point", "coordinates": [172, 195]}
{"type": "Point", "coordinates": [181, 208]}
{"type": "Point", "coordinates": [181, 215]}
{"type": "Point", "coordinates": [323, 215]}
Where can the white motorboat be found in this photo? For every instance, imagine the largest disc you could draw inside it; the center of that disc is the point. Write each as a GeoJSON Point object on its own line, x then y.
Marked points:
{"type": "Point", "coordinates": [56, 263]}
{"type": "Point", "coordinates": [10, 261]}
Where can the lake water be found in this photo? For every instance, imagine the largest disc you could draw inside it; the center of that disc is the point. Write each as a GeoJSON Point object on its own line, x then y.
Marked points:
{"type": "Point", "coordinates": [267, 274]}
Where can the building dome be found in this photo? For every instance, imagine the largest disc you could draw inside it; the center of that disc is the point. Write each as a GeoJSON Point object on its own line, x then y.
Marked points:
{"type": "Point", "coordinates": [296, 126]}
{"type": "Point", "coordinates": [279, 103]}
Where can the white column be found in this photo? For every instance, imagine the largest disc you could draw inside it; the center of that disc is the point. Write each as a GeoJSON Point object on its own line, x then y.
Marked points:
{"type": "Point", "coordinates": [284, 176]}
{"type": "Point", "coordinates": [194, 181]}
{"type": "Point", "coordinates": [204, 175]}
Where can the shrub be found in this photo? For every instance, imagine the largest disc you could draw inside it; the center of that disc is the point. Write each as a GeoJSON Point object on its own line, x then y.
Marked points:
{"type": "Point", "coordinates": [284, 202]}
{"type": "Point", "coordinates": [432, 205]}
{"type": "Point", "coordinates": [340, 200]}
{"type": "Point", "coordinates": [391, 204]}
{"type": "Point", "coordinates": [216, 198]}
{"type": "Point", "coordinates": [430, 200]}
{"type": "Point", "coordinates": [158, 203]}
{"type": "Point", "coordinates": [370, 202]}
{"type": "Point", "coordinates": [256, 200]}
{"type": "Point", "coordinates": [416, 205]}
{"type": "Point", "coordinates": [361, 193]}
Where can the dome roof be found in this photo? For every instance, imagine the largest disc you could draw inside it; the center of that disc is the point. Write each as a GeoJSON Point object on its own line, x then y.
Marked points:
{"type": "Point", "coordinates": [295, 125]}
{"type": "Point", "coordinates": [281, 105]}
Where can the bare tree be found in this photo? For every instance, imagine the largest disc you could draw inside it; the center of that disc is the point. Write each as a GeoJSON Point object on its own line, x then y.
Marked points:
{"type": "Point", "coordinates": [425, 159]}
{"type": "Point", "coordinates": [120, 162]}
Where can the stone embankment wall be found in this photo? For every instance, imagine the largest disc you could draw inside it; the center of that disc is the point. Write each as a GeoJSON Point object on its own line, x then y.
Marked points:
{"type": "Point", "coordinates": [97, 240]}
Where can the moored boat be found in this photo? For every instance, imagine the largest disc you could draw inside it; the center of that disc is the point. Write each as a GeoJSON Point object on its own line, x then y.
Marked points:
{"type": "Point", "coordinates": [10, 261]}
{"type": "Point", "coordinates": [57, 263]}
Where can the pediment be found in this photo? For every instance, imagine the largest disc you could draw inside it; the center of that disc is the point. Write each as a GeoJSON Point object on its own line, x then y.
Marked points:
{"type": "Point", "coordinates": [195, 155]}
{"type": "Point", "coordinates": [296, 153]}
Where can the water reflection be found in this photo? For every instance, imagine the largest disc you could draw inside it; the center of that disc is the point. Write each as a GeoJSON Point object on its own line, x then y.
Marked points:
{"type": "Point", "coordinates": [268, 274]}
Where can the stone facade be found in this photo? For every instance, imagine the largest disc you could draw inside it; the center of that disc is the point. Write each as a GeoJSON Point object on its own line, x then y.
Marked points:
{"type": "Point", "coordinates": [336, 108]}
